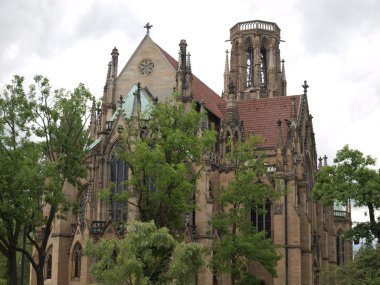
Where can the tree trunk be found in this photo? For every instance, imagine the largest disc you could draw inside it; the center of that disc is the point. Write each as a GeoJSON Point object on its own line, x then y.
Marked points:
{"type": "Point", "coordinates": [12, 267]}
{"type": "Point", "coordinates": [374, 225]}
{"type": "Point", "coordinates": [40, 274]}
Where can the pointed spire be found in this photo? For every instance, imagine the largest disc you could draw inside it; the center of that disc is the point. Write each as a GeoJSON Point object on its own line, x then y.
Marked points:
{"type": "Point", "coordinates": [121, 103]}
{"type": "Point", "coordinates": [108, 75]}
{"type": "Point", "coordinates": [115, 55]}
{"type": "Point", "coordinates": [283, 75]}
{"type": "Point", "coordinates": [283, 79]}
{"type": "Point", "coordinates": [279, 134]}
{"type": "Point", "coordinates": [92, 128]}
{"type": "Point", "coordinates": [293, 115]}
{"type": "Point", "coordinates": [226, 65]}
{"type": "Point", "coordinates": [204, 121]}
{"type": "Point", "coordinates": [188, 63]}
{"type": "Point", "coordinates": [184, 75]}
{"type": "Point", "coordinates": [232, 112]}
{"type": "Point", "coordinates": [226, 75]}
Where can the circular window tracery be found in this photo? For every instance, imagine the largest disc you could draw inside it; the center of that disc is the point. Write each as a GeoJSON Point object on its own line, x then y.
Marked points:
{"type": "Point", "coordinates": [146, 67]}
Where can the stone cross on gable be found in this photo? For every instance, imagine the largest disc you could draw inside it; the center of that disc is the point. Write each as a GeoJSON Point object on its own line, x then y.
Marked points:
{"type": "Point", "coordinates": [148, 27]}
{"type": "Point", "coordinates": [305, 86]}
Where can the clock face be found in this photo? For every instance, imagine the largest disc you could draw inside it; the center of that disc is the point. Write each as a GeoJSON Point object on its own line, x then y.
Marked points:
{"type": "Point", "coordinates": [146, 67]}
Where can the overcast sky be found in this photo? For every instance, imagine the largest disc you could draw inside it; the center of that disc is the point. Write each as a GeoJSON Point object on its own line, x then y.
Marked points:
{"type": "Point", "coordinates": [333, 44]}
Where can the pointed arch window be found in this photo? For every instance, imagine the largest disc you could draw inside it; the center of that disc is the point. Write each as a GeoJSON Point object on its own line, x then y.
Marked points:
{"type": "Point", "coordinates": [250, 66]}
{"type": "Point", "coordinates": [339, 248]}
{"type": "Point", "coordinates": [228, 143]}
{"type": "Point", "coordinates": [48, 264]}
{"type": "Point", "coordinates": [263, 67]}
{"type": "Point", "coordinates": [261, 218]}
{"type": "Point", "coordinates": [119, 179]}
{"type": "Point", "coordinates": [77, 255]}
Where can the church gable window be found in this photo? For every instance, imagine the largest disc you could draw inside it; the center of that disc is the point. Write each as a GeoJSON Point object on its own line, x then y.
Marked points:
{"type": "Point", "coordinates": [250, 64]}
{"type": "Point", "coordinates": [339, 248]}
{"type": "Point", "coordinates": [119, 178]}
{"type": "Point", "coordinates": [77, 254]}
{"type": "Point", "coordinates": [48, 264]}
{"type": "Point", "coordinates": [261, 218]}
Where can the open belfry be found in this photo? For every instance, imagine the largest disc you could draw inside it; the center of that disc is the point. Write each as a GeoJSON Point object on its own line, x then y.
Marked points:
{"type": "Point", "coordinates": [254, 101]}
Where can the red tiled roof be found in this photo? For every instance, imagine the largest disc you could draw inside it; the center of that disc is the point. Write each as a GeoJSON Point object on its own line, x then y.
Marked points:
{"type": "Point", "coordinates": [200, 91]}
{"type": "Point", "coordinates": [261, 116]}
{"type": "Point", "coordinates": [258, 115]}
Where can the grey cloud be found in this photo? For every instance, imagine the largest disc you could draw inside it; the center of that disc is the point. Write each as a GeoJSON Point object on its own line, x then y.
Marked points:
{"type": "Point", "coordinates": [329, 25]}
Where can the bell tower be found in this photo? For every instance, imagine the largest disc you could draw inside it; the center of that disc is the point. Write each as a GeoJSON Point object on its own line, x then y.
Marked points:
{"type": "Point", "coordinates": [255, 63]}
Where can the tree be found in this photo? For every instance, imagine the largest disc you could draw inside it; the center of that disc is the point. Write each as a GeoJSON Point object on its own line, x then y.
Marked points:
{"type": "Point", "coordinates": [240, 243]}
{"type": "Point", "coordinates": [18, 158]}
{"type": "Point", "coordinates": [42, 147]}
{"type": "Point", "coordinates": [364, 269]}
{"type": "Point", "coordinates": [146, 255]}
{"type": "Point", "coordinates": [352, 177]}
{"type": "Point", "coordinates": [165, 155]}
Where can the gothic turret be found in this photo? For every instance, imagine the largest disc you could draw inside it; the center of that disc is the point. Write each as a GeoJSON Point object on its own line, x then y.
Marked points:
{"type": "Point", "coordinates": [184, 76]}
{"type": "Point", "coordinates": [255, 65]}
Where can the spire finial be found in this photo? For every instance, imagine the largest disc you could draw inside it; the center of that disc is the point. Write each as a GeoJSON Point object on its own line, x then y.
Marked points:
{"type": "Point", "coordinates": [279, 133]}
{"type": "Point", "coordinates": [305, 86]}
{"type": "Point", "coordinates": [148, 27]}
{"type": "Point", "coordinates": [226, 67]}
{"type": "Point", "coordinates": [188, 62]}
{"type": "Point", "coordinates": [283, 76]}
{"type": "Point", "coordinates": [121, 102]}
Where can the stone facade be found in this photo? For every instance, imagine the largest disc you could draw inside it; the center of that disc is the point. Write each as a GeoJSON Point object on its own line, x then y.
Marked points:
{"type": "Point", "coordinates": [254, 101]}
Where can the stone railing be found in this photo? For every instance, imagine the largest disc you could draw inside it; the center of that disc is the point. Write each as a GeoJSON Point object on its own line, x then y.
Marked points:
{"type": "Point", "coordinates": [256, 24]}
{"type": "Point", "coordinates": [340, 214]}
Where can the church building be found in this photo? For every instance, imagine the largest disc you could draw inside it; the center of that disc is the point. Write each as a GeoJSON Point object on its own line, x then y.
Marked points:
{"type": "Point", "coordinates": [254, 100]}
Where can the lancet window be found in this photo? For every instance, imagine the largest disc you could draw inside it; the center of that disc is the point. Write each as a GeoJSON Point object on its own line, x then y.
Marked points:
{"type": "Point", "coordinates": [263, 67]}
{"type": "Point", "coordinates": [250, 66]}
{"type": "Point", "coordinates": [119, 180]}
{"type": "Point", "coordinates": [261, 218]}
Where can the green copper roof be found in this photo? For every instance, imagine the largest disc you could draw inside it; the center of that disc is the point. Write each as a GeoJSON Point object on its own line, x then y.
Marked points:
{"type": "Point", "coordinates": [339, 207]}
{"type": "Point", "coordinates": [94, 144]}
{"type": "Point", "coordinates": [146, 103]}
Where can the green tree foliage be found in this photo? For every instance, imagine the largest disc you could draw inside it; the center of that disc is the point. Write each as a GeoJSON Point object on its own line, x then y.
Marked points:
{"type": "Point", "coordinates": [240, 243]}
{"type": "Point", "coordinates": [352, 177]}
{"type": "Point", "coordinates": [42, 139]}
{"type": "Point", "coordinates": [364, 269]}
{"type": "Point", "coordinates": [165, 155]}
{"type": "Point", "coordinates": [146, 255]}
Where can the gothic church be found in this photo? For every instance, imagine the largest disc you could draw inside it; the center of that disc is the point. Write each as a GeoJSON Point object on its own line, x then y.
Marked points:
{"type": "Point", "coordinates": [254, 100]}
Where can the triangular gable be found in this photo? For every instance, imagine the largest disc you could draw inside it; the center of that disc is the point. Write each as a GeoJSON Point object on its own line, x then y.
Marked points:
{"type": "Point", "coordinates": [160, 81]}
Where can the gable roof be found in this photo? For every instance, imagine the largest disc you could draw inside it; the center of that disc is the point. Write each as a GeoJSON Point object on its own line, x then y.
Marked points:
{"type": "Point", "coordinates": [260, 116]}
{"type": "Point", "coordinates": [201, 92]}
